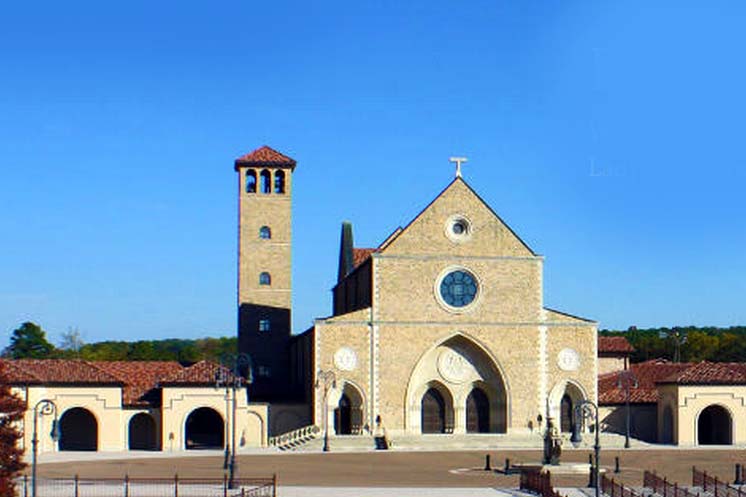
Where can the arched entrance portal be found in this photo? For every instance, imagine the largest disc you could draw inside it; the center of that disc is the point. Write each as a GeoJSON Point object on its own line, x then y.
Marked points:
{"type": "Point", "coordinates": [477, 412]}
{"type": "Point", "coordinates": [433, 412]}
{"type": "Point", "coordinates": [563, 399]}
{"type": "Point", "coordinates": [457, 368]}
{"type": "Point", "coordinates": [714, 426]}
{"type": "Point", "coordinates": [204, 430]}
{"type": "Point", "coordinates": [142, 433]}
{"type": "Point", "coordinates": [78, 430]}
{"type": "Point", "coordinates": [349, 411]}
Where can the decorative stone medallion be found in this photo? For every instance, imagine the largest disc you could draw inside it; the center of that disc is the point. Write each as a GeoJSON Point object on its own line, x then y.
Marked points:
{"type": "Point", "coordinates": [345, 359]}
{"type": "Point", "coordinates": [568, 360]}
{"type": "Point", "coordinates": [453, 367]}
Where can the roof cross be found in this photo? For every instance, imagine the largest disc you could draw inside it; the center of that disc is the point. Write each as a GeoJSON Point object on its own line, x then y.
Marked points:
{"type": "Point", "coordinates": [458, 161]}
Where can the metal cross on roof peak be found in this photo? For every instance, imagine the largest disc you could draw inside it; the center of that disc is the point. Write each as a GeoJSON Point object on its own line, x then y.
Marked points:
{"type": "Point", "coordinates": [458, 161]}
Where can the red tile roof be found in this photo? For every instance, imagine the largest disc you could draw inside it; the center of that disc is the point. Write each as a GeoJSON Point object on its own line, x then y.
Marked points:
{"type": "Point", "coordinates": [710, 373]}
{"type": "Point", "coordinates": [360, 255]}
{"type": "Point", "coordinates": [201, 373]}
{"type": "Point", "coordinates": [647, 373]}
{"type": "Point", "coordinates": [140, 378]}
{"type": "Point", "coordinates": [264, 156]}
{"type": "Point", "coordinates": [57, 371]}
{"type": "Point", "coordinates": [614, 345]}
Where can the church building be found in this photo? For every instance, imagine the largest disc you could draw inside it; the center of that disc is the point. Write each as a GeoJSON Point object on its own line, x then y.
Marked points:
{"type": "Point", "coordinates": [440, 329]}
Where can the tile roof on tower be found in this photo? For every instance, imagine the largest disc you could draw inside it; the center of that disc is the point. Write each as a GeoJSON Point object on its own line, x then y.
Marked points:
{"type": "Point", "coordinates": [264, 156]}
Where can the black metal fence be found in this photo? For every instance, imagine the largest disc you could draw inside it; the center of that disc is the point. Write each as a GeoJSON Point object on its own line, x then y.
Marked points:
{"type": "Point", "coordinates": [663, 487]}
{"type": "Point", "coordinates": [539, 483]}
{"type": "Point", "coordinates": [616, 489]}
{"type": "Point", "coordinates": [712, 485]}
{"type": "Point", "coordinates": [148, 487]}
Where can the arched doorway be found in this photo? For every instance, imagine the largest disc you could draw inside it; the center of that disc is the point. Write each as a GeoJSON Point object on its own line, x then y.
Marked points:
{"type": "Point", "coordinates": [433, 412]}
{"type": "Point", "coordinates": [343, 416]}
{"type": "Point", "coordinates": [714, 426]}
{"type": "Point", "coordinates": [477, 412]}
{"type": "Point", "coordinates": [78, 430]}
{"type": "Point", "coordinates": [567, 419]}
{"type": "Point", "coordinates": [204, 430]}
{"type": "Point", "coordinates": [142, 433]}
{"type": "Point", "coordinates": [667, 426]}
{"type": "Point", "coordinates": [462, 364]}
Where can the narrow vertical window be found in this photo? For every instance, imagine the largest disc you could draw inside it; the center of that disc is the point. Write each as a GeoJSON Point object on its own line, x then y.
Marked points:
{"type": "Point", "coordinates": [266, 181]}
{"type": "Point", "coordinates": [264, 325]}
{"type": "Point", "coordinates": [250, 181]}
{"type": "Point", "coordinates": [279, 182]}
{"type": "Point", "coordinates": [265, 233]}
{"type": "Point", "coordinates": [265, 279]}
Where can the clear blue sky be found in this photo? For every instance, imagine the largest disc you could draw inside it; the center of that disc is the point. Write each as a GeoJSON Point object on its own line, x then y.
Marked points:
{"type": "Point", "coordinates": [609, 135]}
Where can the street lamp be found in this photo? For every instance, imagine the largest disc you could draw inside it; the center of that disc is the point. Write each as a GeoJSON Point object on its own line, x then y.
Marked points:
{"type": "Point", "coordinates": [233, 363]}
{"type": "Point", "coordinates": [327, 380]}
{"type": "Point", "coordinates": [626, 381]}
{"type": "Point", "coordinates": [44, 407]}
{"type": "Point", "coordinates": [586, 409]}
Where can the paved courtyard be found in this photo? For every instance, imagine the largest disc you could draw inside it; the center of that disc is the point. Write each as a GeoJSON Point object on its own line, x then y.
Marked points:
{"type": "Point", "coordinates": [459, 469]}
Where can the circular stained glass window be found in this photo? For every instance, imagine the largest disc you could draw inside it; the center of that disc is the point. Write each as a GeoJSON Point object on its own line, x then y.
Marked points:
{"type": "Point", "coordinates": [458, 288]}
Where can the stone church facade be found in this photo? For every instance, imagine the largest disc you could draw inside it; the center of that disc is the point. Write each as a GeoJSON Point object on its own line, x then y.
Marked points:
{"type": "Point", "coordinates": [439, 329]}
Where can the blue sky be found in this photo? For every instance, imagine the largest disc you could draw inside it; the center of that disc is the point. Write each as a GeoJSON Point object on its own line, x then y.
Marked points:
{"type": "Point", "coordinates": [609, 135]}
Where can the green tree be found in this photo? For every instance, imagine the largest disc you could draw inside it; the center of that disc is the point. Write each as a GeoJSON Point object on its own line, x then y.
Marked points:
{"type": "Point", "coordinates": [29, 342]}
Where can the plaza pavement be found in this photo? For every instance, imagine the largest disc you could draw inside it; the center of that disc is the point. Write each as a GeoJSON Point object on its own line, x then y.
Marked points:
{"type": "Point", "coordinates": [415, 470]}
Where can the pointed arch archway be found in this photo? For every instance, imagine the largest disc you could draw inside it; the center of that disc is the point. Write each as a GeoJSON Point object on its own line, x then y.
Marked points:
{"type": "Point", "coordinates": [563, 398]}
{"type": "Point", "coordinates": [457, 364]}
{"type": "Point", "coordinates": [349, 411]}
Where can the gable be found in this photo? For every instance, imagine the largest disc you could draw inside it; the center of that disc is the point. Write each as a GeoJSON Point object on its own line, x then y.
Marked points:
{"type": "Point", "coordinates": [430, 233]}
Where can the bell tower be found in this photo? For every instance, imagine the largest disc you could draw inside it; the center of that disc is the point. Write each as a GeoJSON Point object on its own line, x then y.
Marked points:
{"type": "Point", "coordinates": [265, 190]}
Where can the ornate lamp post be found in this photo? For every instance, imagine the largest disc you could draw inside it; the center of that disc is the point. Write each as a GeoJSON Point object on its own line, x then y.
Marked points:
{"type": "Point", "coordinates": [44, 407]}
{"type": "Point", "coordinates": [327, 380]}
{"type": "Point", "coordinates": [626, 381]}
{"type": "Point", "coordinates": [233, 363]}
{"type": "Point", "coordinates": [586, 409]}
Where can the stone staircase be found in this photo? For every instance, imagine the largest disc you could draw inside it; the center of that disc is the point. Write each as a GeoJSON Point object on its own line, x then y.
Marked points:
{"type": "Point", "coordinates": [295, 439]}
{"type": "Point", "coordinates": [476, 441]}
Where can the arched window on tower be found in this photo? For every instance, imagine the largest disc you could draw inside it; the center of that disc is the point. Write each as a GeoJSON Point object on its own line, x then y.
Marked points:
{"type": "Point", "coordinates": [250, 181]}
{"type": "Point", "coordinates": [265, 233]}
{"type": "Point", "coordinates": [265, 278]}
{"type": "Point", "coordinates": [279, 182]}
{"type": "Point", "coordinates": [266, 181]}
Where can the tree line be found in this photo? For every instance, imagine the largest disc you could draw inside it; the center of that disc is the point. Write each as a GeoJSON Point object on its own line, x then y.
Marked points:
{"type": "Point", "coordinates": [29, 341]}
{"type": "Point", "coordinates": [694, 344]}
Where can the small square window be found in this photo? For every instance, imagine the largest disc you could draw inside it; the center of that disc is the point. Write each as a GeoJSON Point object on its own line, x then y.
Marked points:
{"type": "Point", "coordinates": [264, 371]}
{"type": "Point", "coordinates": [264, 325]}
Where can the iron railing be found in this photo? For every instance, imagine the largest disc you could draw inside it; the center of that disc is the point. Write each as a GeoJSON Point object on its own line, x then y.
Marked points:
{"type": "Point", "coordinates": [539, 483]}
{"type": "Point", "coordinates": [712, 485]}
{"type": "Point", "coordinates": [148, 487]}
{"type": "Point", "coordinates": [662, 486]}
{"type": "Point", "coordinates": [616, 489]}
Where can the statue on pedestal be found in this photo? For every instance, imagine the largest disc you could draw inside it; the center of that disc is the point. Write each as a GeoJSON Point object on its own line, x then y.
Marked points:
{"type": "Point", "coordinates": [552, 444]}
